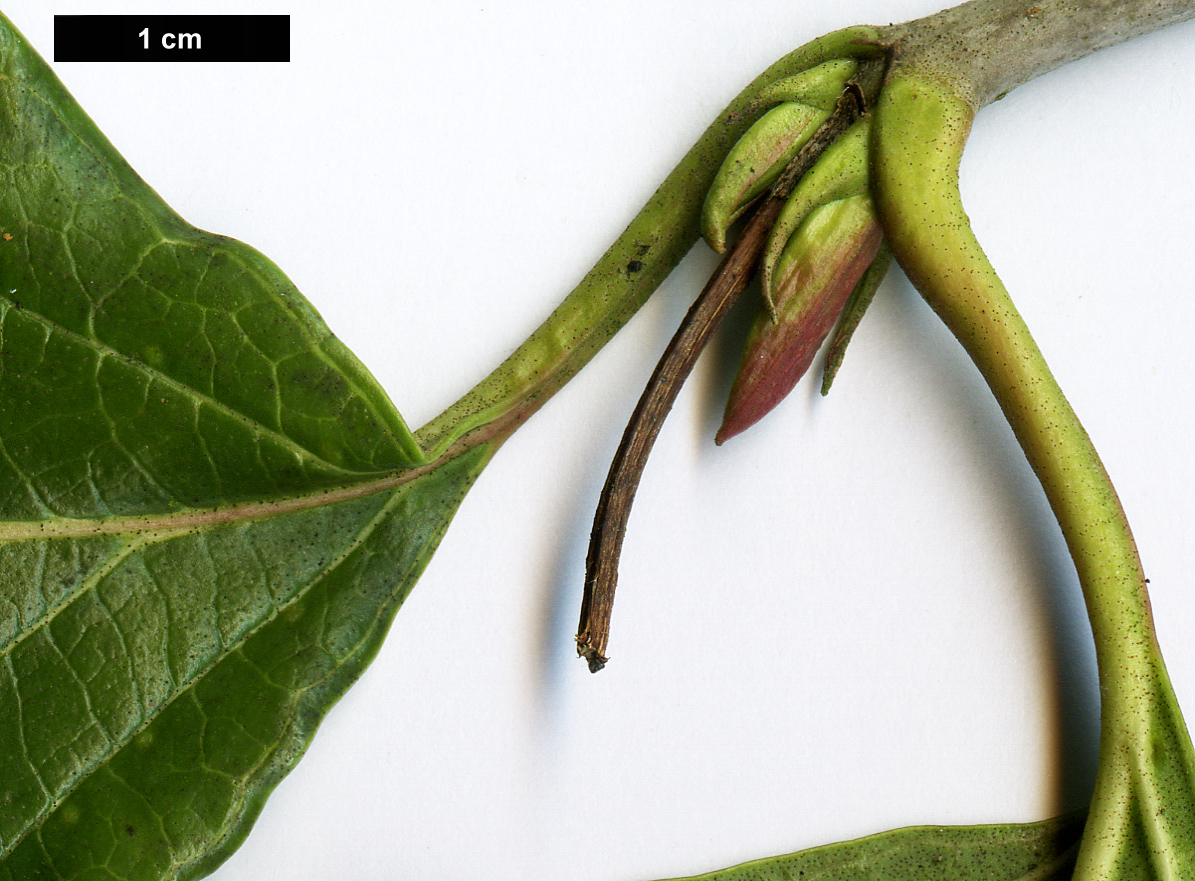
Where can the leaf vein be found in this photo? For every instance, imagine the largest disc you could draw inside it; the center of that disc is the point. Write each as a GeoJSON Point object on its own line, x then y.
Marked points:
{"type": "Point", "coordinates": [52, 641]}
{"type": "Point", "coordinates": [185, 687]}
{"type": "Point", "coordinates": [193, 519]}
{"type": "Point", "coordinates": [118, 556]}
{"type": "Point", "coordinates": [20, 727]}
{"type": "Point", "coordinates": [153, 375]}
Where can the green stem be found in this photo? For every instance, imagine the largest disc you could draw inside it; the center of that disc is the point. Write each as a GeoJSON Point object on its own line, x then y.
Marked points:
{"type": "Point", "coordinates": [633, 267]}
{"type": "Point", "coordinates": [942, 70]}
{"type": "Point", "coordinates": [1142, 811]}
{"type": "Point", "coordinates": [924, 219]}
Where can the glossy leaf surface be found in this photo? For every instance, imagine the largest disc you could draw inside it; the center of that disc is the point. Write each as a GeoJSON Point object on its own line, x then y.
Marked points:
{"type": "Point", "coordinates": [209, 511]}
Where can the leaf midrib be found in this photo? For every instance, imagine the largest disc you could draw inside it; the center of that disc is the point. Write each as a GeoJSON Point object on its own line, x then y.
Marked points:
{"type": "Point", "coordinates": [197, 519]}
{"type": "Point", "coordinates": [182, 688]}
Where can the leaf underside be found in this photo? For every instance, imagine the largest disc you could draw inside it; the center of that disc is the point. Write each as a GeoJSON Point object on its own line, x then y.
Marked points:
{"type": "Point", "coordinates": [1014, 852]}
{"type": "Point", "coordinates": [208, 513]}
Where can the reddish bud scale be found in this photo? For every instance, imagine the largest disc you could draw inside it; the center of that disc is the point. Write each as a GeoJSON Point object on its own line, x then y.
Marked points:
{"type": "Point", "coordinates": [810, 299]}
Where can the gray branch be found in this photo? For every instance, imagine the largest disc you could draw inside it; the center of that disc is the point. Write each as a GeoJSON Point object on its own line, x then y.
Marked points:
{"type": "Point", "coordinates": [989, 47]}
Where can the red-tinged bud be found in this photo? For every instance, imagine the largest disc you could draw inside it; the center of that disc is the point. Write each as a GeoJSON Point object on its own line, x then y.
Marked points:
{"type": "Point", "coordinates": [816, 274]}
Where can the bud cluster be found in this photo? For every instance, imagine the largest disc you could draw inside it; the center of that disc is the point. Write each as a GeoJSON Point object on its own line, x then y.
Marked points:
{"type": "Point", "coordinates": [821, 245]}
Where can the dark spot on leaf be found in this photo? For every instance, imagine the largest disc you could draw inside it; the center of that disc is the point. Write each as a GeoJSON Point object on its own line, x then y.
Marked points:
{"type": "Point", "coordinates": [633, 267]}
{"type": "Point", "coordinates": [130, 831]}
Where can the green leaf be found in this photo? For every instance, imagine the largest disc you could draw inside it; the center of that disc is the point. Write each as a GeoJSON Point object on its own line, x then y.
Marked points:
{"type": "Point", "coordinates": [209, 512]}
{"type": "Point", "coordinates": [1013, 852]}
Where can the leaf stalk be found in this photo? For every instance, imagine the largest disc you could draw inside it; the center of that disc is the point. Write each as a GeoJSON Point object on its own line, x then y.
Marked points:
{"type": "Point", "coordinates": [1143, 810]}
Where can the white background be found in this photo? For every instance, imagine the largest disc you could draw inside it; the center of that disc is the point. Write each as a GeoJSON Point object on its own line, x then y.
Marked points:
{"type": "Point", "coordinates": [854, 617]}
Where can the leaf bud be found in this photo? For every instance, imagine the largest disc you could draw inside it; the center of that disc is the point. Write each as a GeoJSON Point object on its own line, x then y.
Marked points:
{"type": "Point", "coordinates": [806, 100]}
{"type": "Point", "coordinates": [815, 275]}
{"type": "Point", "coordinates": [818, 87]}
{"type": "Point", "coordinates": [841, 171]}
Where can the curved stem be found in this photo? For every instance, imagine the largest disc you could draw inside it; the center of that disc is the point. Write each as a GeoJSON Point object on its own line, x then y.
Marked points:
{"type": "Point", "coordinates": [614, 506]}
{"type": "Point", "coordinates": [918, 144]}
{"type": "Point", "coordinates": [1146, 778]}
{"type": "Point", "coordinates": [633, 267]}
